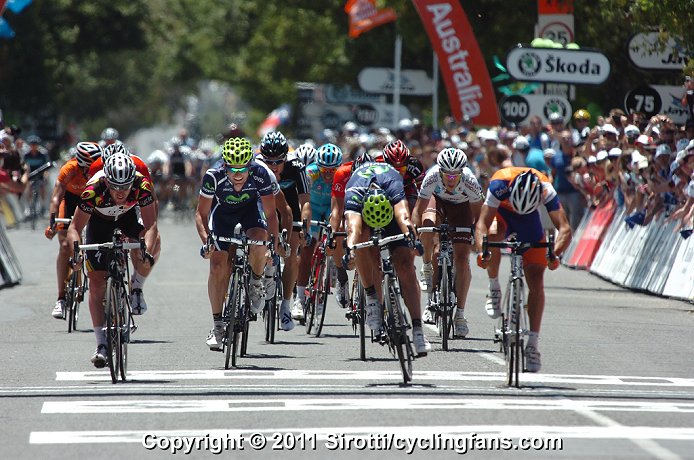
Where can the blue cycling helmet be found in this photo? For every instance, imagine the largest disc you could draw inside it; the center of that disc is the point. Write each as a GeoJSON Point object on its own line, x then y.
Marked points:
{"type": "Point", "coordinates": [329, 156]}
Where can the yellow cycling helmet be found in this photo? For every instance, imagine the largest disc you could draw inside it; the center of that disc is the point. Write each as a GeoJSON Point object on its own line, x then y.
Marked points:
{"type": "Point", "coordinates": [237, 151]}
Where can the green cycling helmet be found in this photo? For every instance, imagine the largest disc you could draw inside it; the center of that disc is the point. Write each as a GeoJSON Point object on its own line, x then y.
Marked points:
{"type": "Point", "coordinates": [237, 151]}
{"type": "Point", "coordinates": [377, 211]}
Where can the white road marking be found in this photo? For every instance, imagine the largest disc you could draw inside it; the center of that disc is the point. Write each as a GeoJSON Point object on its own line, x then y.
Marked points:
{"type": "Point", "coordinates": [322, 433]}
{"type": "Point", "coordinates": [240, 374]}
{"type": "Point", "coordinates": [340, 404]}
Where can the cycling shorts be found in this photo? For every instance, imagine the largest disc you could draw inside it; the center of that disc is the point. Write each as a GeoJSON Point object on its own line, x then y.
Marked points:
{"type": "Point", "coordinates": [321, 215]}
{"type": "Point", "coordinates": [223, 223]}
{"type": "Point", "coordinates": [456, 214]}
{"type": "Point", "coordinates": [101, 231]}
{"type": "Point", "coordinates": [528, 229]}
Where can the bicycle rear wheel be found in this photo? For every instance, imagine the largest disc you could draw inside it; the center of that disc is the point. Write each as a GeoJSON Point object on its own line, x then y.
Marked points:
{"type": "Point", "coordinates": [322, 295]}
{"type": "Point", "coordinates": [396, 322]}
{"type": "Point", "coordinates": [360, 304]}
{"type": "Point", "coordinates": [78, 296]}
{"type": "Point", "coordinates": [245, 312]}
{"type": "Point", "coordinates": [316, 275]}
{"type": "Point", "coordinates": [112, 335]}
{"type": "Point", "coordinates": [70, 300]}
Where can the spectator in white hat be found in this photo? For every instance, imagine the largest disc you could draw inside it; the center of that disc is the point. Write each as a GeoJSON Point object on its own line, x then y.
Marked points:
{"type": "Point", "coordinates": [521, 146]}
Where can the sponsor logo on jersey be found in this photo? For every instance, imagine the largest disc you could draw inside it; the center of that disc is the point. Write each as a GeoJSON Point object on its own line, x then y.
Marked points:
{"type": "Point", "coordinates": [208, 187]}
{"type": "Point", "coordinates": [88, 194]}
{"type": "Point", "coordinates": [232, 199]}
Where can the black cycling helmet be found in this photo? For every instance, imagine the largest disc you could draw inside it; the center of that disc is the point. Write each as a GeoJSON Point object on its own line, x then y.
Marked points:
{"type": "Point", "coordinates": [274, 145]}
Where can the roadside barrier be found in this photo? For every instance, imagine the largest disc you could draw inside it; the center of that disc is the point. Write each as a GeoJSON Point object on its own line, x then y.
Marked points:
{"type": "Point", "coordinates": [652, 258]}
{"type": "Point", "coordinates": [10, 270]}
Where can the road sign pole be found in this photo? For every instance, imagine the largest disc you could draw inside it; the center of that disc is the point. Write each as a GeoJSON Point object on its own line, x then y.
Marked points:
{"type": "Point", "coordinates": [396, 78]}
{"type": "Point", "coordinates": [435, 94]}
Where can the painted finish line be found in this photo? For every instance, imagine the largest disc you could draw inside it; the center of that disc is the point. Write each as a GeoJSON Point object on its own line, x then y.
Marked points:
{"type": "Point", "coordinates": [213, 374]}
{"type": "Point", "coordinates": [511, 431]}
{"type": "Point", "coordinates": [341, 404]}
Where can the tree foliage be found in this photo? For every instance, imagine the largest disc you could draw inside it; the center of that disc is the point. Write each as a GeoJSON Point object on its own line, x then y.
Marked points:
{"type": "Point", "coordinates": [130, 62]}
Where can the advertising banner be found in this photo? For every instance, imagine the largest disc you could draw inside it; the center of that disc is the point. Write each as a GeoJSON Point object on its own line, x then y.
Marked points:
{"type": "Point", "coordinates": [586, 67]}
{"type": "Point", "coordinates": [592, 235]}
{"type": "Point", "coordinates": [364, 16]}
{"type": "Point", "coordinates": [470, 90]}
{"type": "Point", "coordinates": [645, 52]}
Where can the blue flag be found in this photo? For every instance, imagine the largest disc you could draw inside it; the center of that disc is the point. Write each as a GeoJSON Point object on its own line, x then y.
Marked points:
{"type": "Point", "coordinates": [16, 6]}
{"type": "Point", "coordinates": [5, 29]}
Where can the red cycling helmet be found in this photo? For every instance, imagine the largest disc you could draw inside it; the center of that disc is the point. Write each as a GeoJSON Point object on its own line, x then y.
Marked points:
{"type": "Point", "coordinates": [396, 153]}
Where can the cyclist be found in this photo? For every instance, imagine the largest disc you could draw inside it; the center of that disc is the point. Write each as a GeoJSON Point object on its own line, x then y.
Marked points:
{"type": "Point", "coordinates": [34, 159]}
{"type": "Point", "coordinates": [398, 156]}
{"type": "Point", "coordinates": [291, 175]}
{"type": "Point", "coordinates": [138, 304]}
{"type": "Point", "coordinates": [321, 173]}
{"type": "Point", "coordinates": [237, 190]}
{"type": "Point", "coordinates": [116, 197]}
{"type": "Point", "coordinates": [513, 198]}
{"type": "Point", "coordinates": [450, 191]}
{"type": "Point", "coordinates": [375, 197]}
{"type": "Point", "coordinates": [72, 179]}
{"type": "Point", "coordinates": [179, 170]}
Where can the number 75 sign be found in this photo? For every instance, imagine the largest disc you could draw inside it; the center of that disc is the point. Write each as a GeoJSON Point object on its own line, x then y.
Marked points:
{"type": "Point", "coordinates": [654, 99]}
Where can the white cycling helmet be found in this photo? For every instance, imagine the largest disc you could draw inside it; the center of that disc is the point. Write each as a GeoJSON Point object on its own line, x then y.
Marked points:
{"type": "Point", "coordinates": [526, 192]}
{"type": "Point", "coordinates": [451, 160]}
{"type": "Point", "coordinates": [119, 170]}
{"type": "Point", "coordinates": [112, 149]}
{"type": "Point", "coordinates": [306, 153]}
{"type": "Point", "coordinates": [109, 134]}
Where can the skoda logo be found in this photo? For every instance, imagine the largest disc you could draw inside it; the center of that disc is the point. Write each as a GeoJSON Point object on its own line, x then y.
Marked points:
{"type": "Point", "coordinates": [556, 105]}
{"type": "Point", "coordinates": [529, 64]}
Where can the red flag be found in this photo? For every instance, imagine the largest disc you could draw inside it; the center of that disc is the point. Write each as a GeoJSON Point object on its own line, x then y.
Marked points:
{"type": "Point", "coordinates": [364, 16]}
{"type": "Point", "coordinates": [470, 90]}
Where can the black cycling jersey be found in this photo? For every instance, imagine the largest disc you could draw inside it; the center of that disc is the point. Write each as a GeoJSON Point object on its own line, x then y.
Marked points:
{"type": "Point", "coordinates": [293, 182]}
{"type": "Point", "coordinates": [177, 163]}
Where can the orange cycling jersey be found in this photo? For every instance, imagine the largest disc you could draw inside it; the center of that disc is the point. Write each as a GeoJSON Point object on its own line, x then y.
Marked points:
{"type": "Point", "coordinates": [140, 166]}
{"type": "Point", "coordinates": [72, 177]}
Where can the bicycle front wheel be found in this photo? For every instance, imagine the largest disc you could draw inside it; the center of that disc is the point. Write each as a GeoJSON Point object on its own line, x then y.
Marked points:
{"type": "Point", "coordinates": [396, 325]}
{"type": "Point", "coordinates": [316, 274]}
{"type": "Point", "coordinates": [515, 334]}
{"type": "Point", "coordinates": [71, 300]}
{"type": "Point", "coordinates": [230, 317]}
{"type": "Point", "coordinates": [112, 334]}
{"type": "Point", "coordinates": [444, 306]}
{"type": "Point", "coordinates": [322, 296]}
{"type": "Point", "coordinates": [124, 330]}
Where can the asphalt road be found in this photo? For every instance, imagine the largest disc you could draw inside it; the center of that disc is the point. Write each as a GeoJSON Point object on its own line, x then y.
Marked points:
{"type": "Point", "coordinates": [617, 379]}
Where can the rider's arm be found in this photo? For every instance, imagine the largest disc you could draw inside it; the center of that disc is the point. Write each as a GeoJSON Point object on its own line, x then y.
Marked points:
{"type": "Point", "coordinates": [269, 206]}
{"type": "Point", "coordinates": [564, 236]}
{"type": "Point", "coordinates": [202, 215]}
{"type": "Point", "coordinates": [57, 197]}
{"type": "Point", "coordinates": [337, 209]}
{"type": "Point", "coordinates": [149, 220]}
{"type": "Point", "coordinates": [305, 206]}
{"type": "Point", "coordinates": [401, 214]}
{"type": "Point", "coordinates": [487, 214]}
{"type": "Point", "coordinates": [353, 225]}
{"type": "Point", "coordinates": [418, 210]}
{"type": "Point", "coordinates": [79, 220]}
{"type": "Point", "coordinates": [285, 211]}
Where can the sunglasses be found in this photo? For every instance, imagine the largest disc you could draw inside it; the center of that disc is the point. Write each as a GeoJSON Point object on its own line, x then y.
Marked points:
{"type": "Point", "coordinates": [120, 188]}
{"type": "Point", "coordinates": [234, 170]}
{"type": "Point", "coordinates": [274, 161]}
{"type": "Point", "coordinates": [451, 175]}
{"type": "Point", "coordinates": [324, 170]}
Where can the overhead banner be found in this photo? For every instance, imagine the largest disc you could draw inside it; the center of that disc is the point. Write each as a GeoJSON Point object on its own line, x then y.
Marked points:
{"type": "Point", "coordinates": [364, 16]}
{"type": "Point", "coordinates": [470, 90]}
{"type": "Point", "coordinates": [587, 67]}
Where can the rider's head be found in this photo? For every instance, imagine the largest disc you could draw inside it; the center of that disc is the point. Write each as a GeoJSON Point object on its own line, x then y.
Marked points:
{"type": "Point", "coordinates": [306, 153]}
{"type": "Point", "coordinates": [526, 192]}
{"type": "Point", "coordinates": [377, 211]}
{"type": "Point", "coordinates": [109, 136]}
{"type": "Point", "coordinates": [274, 145]}
{"type": "Point", "coordinates": [237, 154]}
{"type": "Point", "coordinates": [120, 172]}
{"type": "Point", "coordinates": [86, 153]}
{"type": "Point", "coordinates": [112, 149]}
{"type": "Point", "coordinates": [397, 155]}
{"type": "Point", "coordinates": [328, 159]}
{"type": "Point", "coordinates": [451, 162]}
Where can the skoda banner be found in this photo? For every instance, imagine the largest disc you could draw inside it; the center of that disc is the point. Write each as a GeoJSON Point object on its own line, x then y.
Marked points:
{"type": "Point", "coordinates": [470, 90]}
{"type": "Point", "coordinates": [558, 65]}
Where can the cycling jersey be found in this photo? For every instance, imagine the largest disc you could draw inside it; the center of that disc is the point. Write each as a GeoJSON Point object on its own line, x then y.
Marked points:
{"type": "Point", "coordinates": [528, 227]}
{"type": "Point", "coordinates": [468, 189]}
{"type": "Point", "coordinates": [340, 179]}
{"type": "Point", "coordinates": [35, 161]}
{"type": "Point", "coordinates": [140, 166]}
{"type": "Point", "coordinates": [72, 177]}
{"type": "Point", "coordinates": [320, 195]}
{"type": "Point", "coordinates": [381, 174]}
{"type": "Point", "coordinates": [96, 198]}
{"type": "Point", "coordinates": [293, 182]}
{"type": "Point", "coordinates": [216, 185]}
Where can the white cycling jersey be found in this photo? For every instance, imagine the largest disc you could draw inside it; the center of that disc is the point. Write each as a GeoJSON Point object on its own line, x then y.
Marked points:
{"type": "Point", "coordinates": [468, 189]}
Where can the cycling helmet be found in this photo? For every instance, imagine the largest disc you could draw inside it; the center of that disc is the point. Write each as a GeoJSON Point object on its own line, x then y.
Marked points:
{"type": "Point", "coordinates": [33, 139]}
{"type": "Point", "coordinates": [581, 114]}
{"type": "Point", "coordinates": [274, 145]}
{"type": "Point", "coordinates": [526, 192]}
{"type": "Point", "coordinates": [396, 153]}
{"type": "Point", "coordinates": [237, 151]}
{"type": "Point", "coordinates": [109, 134]}
{"type": "Point", "coordinates": [377, 211]}
{"type": "Point", "coordinates": [306, 153]}
{"type": "Point", "coordinates": [176, 142]}
{"type": "Point", "coordinates": [112, 149]}
{"type": "Point", "coordinates": [119, 170]}
{"type": "Point", "coordinates": [451, 160]}
{"type": "Point", "coordinates": [329, 156]}
{"type": "Point", "coordinates": [86, 153]}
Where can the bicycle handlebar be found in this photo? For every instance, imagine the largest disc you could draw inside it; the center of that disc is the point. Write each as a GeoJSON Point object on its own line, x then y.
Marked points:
{"type": "Point", "coordinates": [240, 241]}
{"type": "Point", "coordinates": [516, 246]}
{"type": "Point", "coordinates": [440, 230]}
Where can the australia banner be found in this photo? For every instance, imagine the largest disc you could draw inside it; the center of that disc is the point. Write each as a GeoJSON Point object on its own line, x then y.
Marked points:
{"type": "Point", "coordinates": [470, 90]}
{"type": "Point", "coordinates": [364, 16]}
